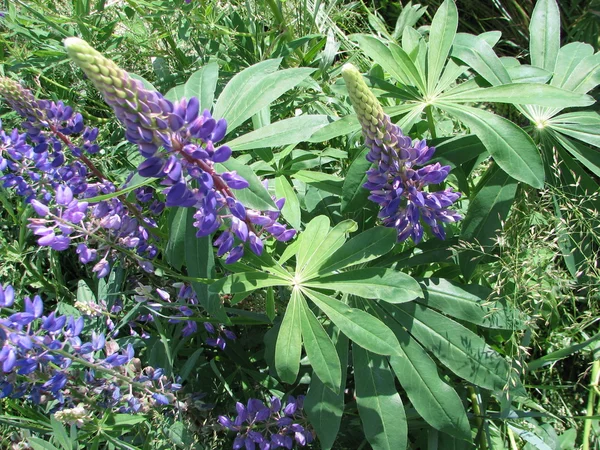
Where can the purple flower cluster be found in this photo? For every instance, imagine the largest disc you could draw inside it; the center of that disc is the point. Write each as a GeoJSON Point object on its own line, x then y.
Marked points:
{"type": "Point", "coordinates": [179, 144]}
{"type": "Point", "coordinates": [159, 299]}
{"type": "Point", "coordinates": [398, 186]}
{"type": "Point", "coordinates": [59, 185]}
{"type": "Point", "coordinates": [269, 427]}
{"type": "Point", "coordinates": [218, 335]}
{"type": "Point", "coordinates": [41, 357]}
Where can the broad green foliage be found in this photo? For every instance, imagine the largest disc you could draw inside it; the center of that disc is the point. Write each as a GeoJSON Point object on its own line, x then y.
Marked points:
{"type": "Point", "coordinates": [487, 339]}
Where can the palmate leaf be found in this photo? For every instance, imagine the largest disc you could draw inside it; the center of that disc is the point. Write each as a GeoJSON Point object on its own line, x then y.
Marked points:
{"type": "Point", "coordinates": [327, 245]}
{"type": "Point", "coordinates": [320, 350]}
{"type": "Point", "coordinates": [255, 196]}
{"type": "Point", "coordinates": [437, 402]}
{"type": "Point", "coordinates": [459, 349]}
{"type": "Point", "coordinates": [373, 282]}
{"type": "Point", "coordinates": [469, 302]}
{"type": "Point", "coordinates": [569, 57]}
{"type": "Point", "coordinates": [291, 208]}
{"type": "Point", "coordinates": [522, 94]}
{"type": "Point", "coordinates": [365, 247]}
{"type": "Point", "coordinates": [581, 125]}
{"type": "Point", "coordinates": [480, 56]}
{"type": "Point", "coordinates": [175, 248]}
{"type": "Point", "coordinates": [361, 327]}
{"type": "Point", "coordinates": [201, 84]}
{"type": "Point", "coordinates": [544, 30]}
{"type": "Point", "coordinates": [379, 405]}
{"type": "Point", "coordinates": [323, 406]}
{"type": "Point", "coordinates": [354, 196]}
{"type": "Point", "coordinates": [247, 282]}
{"type": "Point", "coordinates": [289, 340]}
{"type": "Point", "coordinates": [200, 263]}
{"type": "Point", "coordinates": [285, 132]}
{"type": "Point", "coordinates": [513, 150]}
{"type": "Point", "coordinates": [441, 36]}
{"type": "Point", "coordinates": [252, 89]}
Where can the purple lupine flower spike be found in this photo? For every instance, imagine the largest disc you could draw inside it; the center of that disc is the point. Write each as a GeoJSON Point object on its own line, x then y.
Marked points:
{"type": "Point", "coordinates": [395, 182]}
{"type": "Point", "coordinates": [179, 144]}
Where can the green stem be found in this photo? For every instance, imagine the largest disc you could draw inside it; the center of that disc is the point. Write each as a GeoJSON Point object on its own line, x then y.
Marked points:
{"type": "Point", "coordinates": [429, 113]}
{"type": "Point", "coordinates": [587, 426]}
{"type": "Point", "coordinates": [478, 418]}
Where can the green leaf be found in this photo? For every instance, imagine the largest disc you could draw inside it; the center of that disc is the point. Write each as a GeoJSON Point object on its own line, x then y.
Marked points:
{"type": "Point", "coordinates": [461, 350]}
{"type": "Point", "coordinates": [310, 240]}
{"type": "Point", "coordinates": [437, 402]}
{"type": "Point", "coordinates": [513, 150]}
{"type": "Point", "coordinates": [528, 74]}
{"type": "Point", "coordinates": [408, 66]}
{"type": "Point", "coordinates": [379, 405]}
{"type": "Point", "coordinates": [200, 263]}
{"type": "Point", "coordinates": [320, 350]}
{"type": "Point", "coordinates": [368, 245]}
{"type": "Point", "coordinates": [586, 75]}
{"type": "Point", "coordinates": [522, 94]}
{"type": "Point", "coordinates": [246, 282]}
{"type": "Point", "coordinates": [441, 36]}
{"type": "Point", "coordinates": [480, 56]}
{"type": "Point", "coordinates": [278, 134]}
{"type": "Point", "coordinates": [569, 57]}
{"type": "Point", "coordinates": [60, 434]}
{"type": "Point", "coordinates": [339, 127]}
{"type": "Point", "coordinates": [323, 406]}
{"type": "Point", "coordinates": [40, 444]}
{"type": "Point", "coordinates": [375, 49]}
{"type": "Point", "coordinates": [332, 242]}
{"type": "Point", "coordinates": [362, 328]}
{"type": "Point", "coordinates": [469, 302]}
{"type": "Point", "coordinates": [201, 84]}
{"type": "Point", "coordinates": [289, 341]}
{"type": "Point", "coordinates": [581, 125]}
{"type": "Point", "coordinates": [544, 32]}
{"type": "Point", "coordinates": [175, 248]}
{"type": "Point", "coordinates": [254, 88]}
{"type": "Point", "coordinates": [255, 196]}
{"type": "Point", "coordinates": [291, 207]}
{"type": "Point", "coordinates": [323, 181]}
{"type": "Point", "coordinates": [588, 157]}
{"type": "Point", "coordinates": [373, 282]}
{"type": "Point", "coordinates": [486, 211]}
{"type": "Point", "coordinates": [354, 196]}
{"type": "Point", "coordinates": [457, 150]}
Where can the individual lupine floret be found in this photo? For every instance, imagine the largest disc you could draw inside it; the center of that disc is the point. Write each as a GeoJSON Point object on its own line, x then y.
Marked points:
{"type": "Point", "coordinates": [396, 183]}
{"type": "Point", "coordinates": [178, 142]}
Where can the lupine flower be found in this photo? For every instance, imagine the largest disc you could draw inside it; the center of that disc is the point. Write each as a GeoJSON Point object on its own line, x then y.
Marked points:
{"type": "Point", "coordinates": [58, 184]}
{"type": "Point", "coordinates": [179, 144]}
{"type": "Point", "coordinates": [218, 336]}
{"type": "Point", "coordinates": [265, 428]}
{"type": "Point", "coordinates": [396, 183]}
{"type": "Point", "coordinates": [39, 356]}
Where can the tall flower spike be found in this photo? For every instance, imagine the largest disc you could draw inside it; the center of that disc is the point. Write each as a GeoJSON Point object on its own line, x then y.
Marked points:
{"type": "Point", "coordinates": [395, 183]}
{"type": "Point", "coordinates": [177, 141]}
